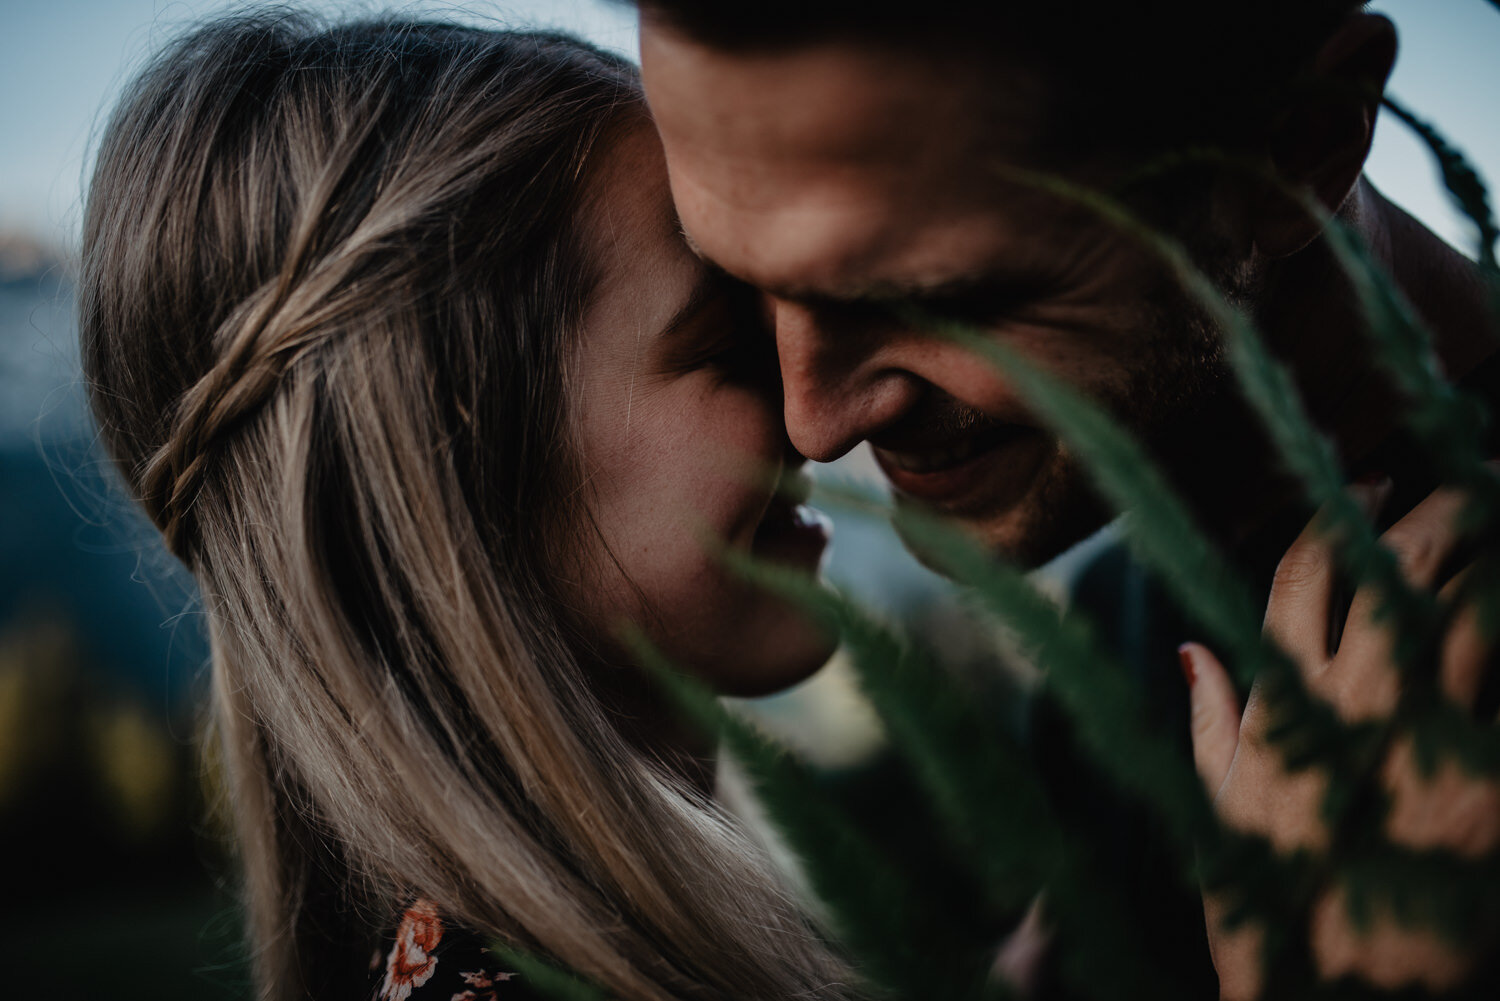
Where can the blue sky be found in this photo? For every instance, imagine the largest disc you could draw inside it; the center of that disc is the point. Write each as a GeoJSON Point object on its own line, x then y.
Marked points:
{"type": "Point", "coordinates": [62, 61]}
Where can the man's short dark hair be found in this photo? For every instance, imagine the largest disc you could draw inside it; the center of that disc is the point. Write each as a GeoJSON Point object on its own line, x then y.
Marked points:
{"type": "Point", "coordinates": [1139, 72]}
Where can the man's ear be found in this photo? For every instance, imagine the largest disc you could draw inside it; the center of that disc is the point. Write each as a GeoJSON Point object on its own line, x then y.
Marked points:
{"type": "Point", "coordinates": [1319, 143]}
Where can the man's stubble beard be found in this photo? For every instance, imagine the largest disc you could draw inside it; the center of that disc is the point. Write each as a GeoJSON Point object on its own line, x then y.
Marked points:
{"type": "Point", "coordinates": [1181, 366]}
{"type": "Point", "coordinates": [1179, 372]}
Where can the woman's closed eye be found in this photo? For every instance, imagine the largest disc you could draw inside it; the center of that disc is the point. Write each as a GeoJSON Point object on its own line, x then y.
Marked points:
{"type": "Point", "coordinates": [723, 331]}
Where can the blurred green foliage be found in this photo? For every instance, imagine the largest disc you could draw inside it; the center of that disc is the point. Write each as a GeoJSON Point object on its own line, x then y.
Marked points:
{"type": "Point", "coordinates": [108, 869]}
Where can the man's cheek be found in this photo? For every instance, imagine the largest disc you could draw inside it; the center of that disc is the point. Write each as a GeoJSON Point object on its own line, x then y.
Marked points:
{"type": "Point", "coordinates": [1104, 365]}
{"type": "Point", "coordinates": [971, 379]}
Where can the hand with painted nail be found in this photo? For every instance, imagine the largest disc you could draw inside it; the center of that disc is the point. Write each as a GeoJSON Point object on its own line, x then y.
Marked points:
{"type": "Point", "coordinates": [1254, 792]}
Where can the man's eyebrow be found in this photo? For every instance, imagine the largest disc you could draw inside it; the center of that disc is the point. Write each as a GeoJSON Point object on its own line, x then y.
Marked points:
{"type": "Point", "coordinates": [893, 292]}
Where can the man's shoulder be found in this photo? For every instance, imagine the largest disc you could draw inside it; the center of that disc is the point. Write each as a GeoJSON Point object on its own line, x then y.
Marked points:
{"type": "Point", "coordinates": [1483, 383]}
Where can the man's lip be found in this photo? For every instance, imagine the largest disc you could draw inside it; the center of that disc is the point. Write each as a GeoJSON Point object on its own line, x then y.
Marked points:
{"type": "Point", "coordinates": [950, 470]}
{"type": "Point", "coordinates": [937, 453]}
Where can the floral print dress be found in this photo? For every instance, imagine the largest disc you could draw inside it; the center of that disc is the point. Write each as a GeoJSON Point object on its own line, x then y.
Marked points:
{"type": "Point", "coordinates": [429, 960]}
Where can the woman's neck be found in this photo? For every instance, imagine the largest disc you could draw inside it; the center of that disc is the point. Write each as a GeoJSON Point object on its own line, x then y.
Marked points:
{"type": "Point", "coordinates": [636, 704]}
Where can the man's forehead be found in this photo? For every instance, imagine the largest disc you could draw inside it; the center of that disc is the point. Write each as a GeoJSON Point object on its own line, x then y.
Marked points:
{"type": "Point", "coordinates": [835, 103]}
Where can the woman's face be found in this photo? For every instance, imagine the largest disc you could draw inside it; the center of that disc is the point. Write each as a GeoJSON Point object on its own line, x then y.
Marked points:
{"type": "Point", "coordinates": [679, 405]}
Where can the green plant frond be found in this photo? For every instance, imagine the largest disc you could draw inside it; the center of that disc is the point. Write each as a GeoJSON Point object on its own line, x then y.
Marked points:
{"type": "Point", "coordinates": [1091, 683]}
{"type": "Point", "coordinates": [1089, 679]}
{"type": "Point", "coordinates": [1093, 688]}
{"type": "Point", "coordinates": [1440, 728]}
{"type": "Point", "coordinates": [984, 787]}
{"type": "Point", "coordinates": [879, 915]}
{"type": "Point", "coordinates": [1448, 421]}
{"type": "Point", "coordinates": [1305, 732]}
{"type": "Point", "coordinates": [1160, 529]}
{"type": "Point", "coordinates": [1277, 893]}
{"type": "Point", "coordinates": [1451, 894]}
{"type": "Point", "coordinates": [1445, 421]}
{"type": "Point", "coordinates": [1446, 892]}
{"type": "Point", "coordinates": [1267, 385]}
{"type": "Point", "coordinates": [1310, 456]}
{"type": "Point", "coordinates": [960, 756]}
{"type": "Point", "coordinates": [1460, 178]}
{"type": "Point", "coordinates": [1162, 533]}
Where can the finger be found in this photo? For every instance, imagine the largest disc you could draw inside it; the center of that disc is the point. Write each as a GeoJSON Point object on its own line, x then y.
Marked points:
{"type": "Point", "coordinates": [1371, 497]}
{"type": "Point", "coordinates": [1215, 714]}
{"type": "Point", "coordinates": [1235, 952]}
{"type": "Point", "coordinates": [1367, 683]}
{"type": "Point", "coordinates": [1425, 536]}
{"type": "Point", "coordinates": [1301, 592]}
{"type": "Point", "coordinates": [1024, 952]}
{"type": "Point", "coordinates": [1465, 650]}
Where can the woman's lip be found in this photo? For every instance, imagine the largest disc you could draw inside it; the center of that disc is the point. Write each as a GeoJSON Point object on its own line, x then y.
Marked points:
{"type": "Point", "coordinates": [953, 472]}
{"type": "Point", "coordinates": [792, 533]}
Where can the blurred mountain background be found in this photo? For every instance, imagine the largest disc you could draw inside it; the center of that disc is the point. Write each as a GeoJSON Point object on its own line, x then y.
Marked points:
{"type": "Point", "coordinates": [102, 815]}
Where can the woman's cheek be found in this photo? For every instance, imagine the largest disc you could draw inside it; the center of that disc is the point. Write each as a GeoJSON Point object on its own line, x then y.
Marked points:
{"type": "Point", "coordinates": [728, 442]}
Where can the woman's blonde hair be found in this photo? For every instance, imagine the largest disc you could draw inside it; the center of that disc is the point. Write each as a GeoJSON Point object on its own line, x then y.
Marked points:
{"type": "Point", "coordinates": [329, 277]}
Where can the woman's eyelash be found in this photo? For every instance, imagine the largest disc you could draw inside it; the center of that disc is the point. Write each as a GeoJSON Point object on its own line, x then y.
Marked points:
{"type": "Point", "coordinates": [741, 345]}
{"type": "Point", "coordinates": [742, 352]}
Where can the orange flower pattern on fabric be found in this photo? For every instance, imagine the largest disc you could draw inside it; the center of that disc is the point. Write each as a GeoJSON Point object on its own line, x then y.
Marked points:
{"type": "Point", "coordinates": [427, 961]}
{"type": "Point", "coordinates": [482, 986]}
{"type": "Point", "coordinates": [411, 962]}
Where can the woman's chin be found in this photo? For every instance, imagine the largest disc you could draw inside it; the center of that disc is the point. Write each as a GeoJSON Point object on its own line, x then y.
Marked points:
{"type": "Point", "coordinates": [784, 656]}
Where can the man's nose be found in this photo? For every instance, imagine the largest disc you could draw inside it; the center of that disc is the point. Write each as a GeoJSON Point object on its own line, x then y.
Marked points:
{"type": "Point", "coordinates": [838, 389]}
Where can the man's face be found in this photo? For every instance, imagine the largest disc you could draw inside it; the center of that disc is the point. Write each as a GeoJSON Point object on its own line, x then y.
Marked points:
{"type": "Point", "coordinates": [841, 179]}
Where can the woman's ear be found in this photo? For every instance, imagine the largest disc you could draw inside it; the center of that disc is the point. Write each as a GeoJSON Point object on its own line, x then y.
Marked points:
{"type": "Point", "coordinates": [1320, 142]}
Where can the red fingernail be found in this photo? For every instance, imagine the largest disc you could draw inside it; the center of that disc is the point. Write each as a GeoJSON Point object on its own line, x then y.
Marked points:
{"type": "Point", "coordinates": [1185, 655]}
{"type": "Point", "coordinates": [1371, 479]}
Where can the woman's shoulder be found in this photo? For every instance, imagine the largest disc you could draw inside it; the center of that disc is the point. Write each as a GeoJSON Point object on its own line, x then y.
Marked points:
{"type": "Point", "coordinates": [428, 958]}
